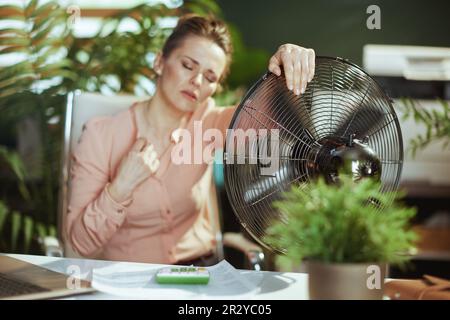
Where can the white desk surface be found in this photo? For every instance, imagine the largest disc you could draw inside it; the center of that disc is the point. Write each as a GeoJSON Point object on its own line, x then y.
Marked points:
{"type": "Point", "coordinates": [273, 285]}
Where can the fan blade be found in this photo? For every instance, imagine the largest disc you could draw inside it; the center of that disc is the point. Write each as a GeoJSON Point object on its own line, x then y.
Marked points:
{"type": "Point", "coordinates": [361, 123]}
{"type": "Point", "coordinates": [267, 186]}
{"type": "Point", "coordinates": [295, 116]}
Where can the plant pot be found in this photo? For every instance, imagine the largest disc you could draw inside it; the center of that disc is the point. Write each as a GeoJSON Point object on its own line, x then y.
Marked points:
{"type": "Point", "coordinates": [346, 281]}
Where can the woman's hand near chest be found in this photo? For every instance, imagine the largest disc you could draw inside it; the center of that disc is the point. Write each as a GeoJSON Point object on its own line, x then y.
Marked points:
{"type": "Point", "coordinates": [136, 167]}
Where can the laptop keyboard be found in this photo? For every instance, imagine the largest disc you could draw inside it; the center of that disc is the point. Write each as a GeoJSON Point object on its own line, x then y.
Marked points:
{"type": "Point", "coordinates": [10, 286]}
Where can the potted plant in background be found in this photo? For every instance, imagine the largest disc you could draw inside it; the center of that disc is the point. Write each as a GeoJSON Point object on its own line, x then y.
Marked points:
{"type": "Point", "coordinates": [345, 236]}
{"type": "Point", "coordinates": [435, 121]}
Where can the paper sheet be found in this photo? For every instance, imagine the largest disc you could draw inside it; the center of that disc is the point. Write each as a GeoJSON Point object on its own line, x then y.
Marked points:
{"type": "Point", "coordinates": [138, 282]}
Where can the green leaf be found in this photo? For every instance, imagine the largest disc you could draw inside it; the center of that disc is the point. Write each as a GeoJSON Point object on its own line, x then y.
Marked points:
{"type": "Point", "coordinates": [55, 70]}
{"type": "Point", "coordinates": [31, 7]}
{"type": "Point", "coordinates": [11, 12]}
{"type": "Point", "coordinates": [14, 49]}
{"type": "Point", "coordinates": [18, 68]}
{"type": "Point", "coordinates": [52, 231]}
{"type": "Point", "coordinates": [14, 161]}
{"type": "Point", "coordinates": [16, 224]}
{"type": "Point", "coordinates": [202, 7]}
{"type": "Point", "coordinates": [44, 27]}
{"type": "Point", "coordinates": [44, 10]}
{"type": "Point", "coordinates": [14, 41]}
{"type": "Point", "coordinates": [41, 230]}
{"type": "Point", "coordinates": [28, 232]}
{"type": "Point", "coordinates": [40, 36]}
{"type": "Point", "coordinates": [53, 42]}
{"type": "Point", "coordinates": [12, 32]}
{"type": "Point", "coordinates": [4, 211]}
{"type": "Point", "coordinates": [436, 122]}
{"type": "Point", "coordinates": [15, 80]}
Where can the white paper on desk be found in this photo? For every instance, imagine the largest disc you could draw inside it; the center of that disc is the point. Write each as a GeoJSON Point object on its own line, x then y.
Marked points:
{"type": "Point", "coordinates": [138, 282]}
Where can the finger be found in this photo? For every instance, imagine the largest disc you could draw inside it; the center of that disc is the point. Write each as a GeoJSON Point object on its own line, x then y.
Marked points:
{"type": "Point", "coordinates": [139, 144]}
{"type": "Point", "coordinates": [297, 72]}
{"type": "Point", "coordinates": [312, 64]}
{"type": "Point", "coordinates": [288, 69]}
{"type": "Point", "coordinates": [274, 65]}
{"type": "Point", "coordinates": [305, 70]}
{"type": "Point", "coordinates": [275, 69]}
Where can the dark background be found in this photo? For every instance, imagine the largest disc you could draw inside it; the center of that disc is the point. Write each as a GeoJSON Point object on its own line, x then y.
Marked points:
{"type": "Point", "coordinates": [338, 28]}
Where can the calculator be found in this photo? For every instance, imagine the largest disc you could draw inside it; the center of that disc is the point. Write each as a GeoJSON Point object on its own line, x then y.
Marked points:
{"type": "Point", "coordinates": [182, 275]}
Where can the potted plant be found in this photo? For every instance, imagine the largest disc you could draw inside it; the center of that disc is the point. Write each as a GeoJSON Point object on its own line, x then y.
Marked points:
{"type": "Point", "coordinates": [347, 234]}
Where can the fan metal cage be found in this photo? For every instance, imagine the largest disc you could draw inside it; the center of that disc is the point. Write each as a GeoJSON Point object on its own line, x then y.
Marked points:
{"type": "Point", "coordinates": [342, 102]}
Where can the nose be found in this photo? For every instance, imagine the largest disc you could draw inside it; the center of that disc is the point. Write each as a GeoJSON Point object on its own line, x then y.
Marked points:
{"type": "Point", "coordinates": [197, 80]}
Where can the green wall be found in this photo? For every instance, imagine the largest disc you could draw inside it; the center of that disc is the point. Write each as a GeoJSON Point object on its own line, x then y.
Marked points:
{"type": "Point", "coordinates": [338, 28]}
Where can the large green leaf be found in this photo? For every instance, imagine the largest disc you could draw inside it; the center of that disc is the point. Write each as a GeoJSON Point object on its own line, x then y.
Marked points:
{"type": "Point", "coordinates": [27, 233]}
{"type": "Point", "coordinates": [3, 214]}
{"type": "Point", "coordinates": [16, 224]}
{"type": "Point", "coordinates": [13, 159]}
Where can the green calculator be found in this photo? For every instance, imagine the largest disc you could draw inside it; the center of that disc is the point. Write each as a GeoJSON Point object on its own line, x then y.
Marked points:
{"type": "Point", "coordinates": [182, 275]}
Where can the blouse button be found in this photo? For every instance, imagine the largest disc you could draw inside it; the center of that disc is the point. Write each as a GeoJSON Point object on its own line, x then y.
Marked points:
{"type": "Point", "coordinates": [120, 211]}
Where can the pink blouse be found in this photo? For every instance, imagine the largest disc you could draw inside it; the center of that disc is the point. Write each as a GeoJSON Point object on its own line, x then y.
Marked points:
{"type": "Point", "coordinates": [166, 220]}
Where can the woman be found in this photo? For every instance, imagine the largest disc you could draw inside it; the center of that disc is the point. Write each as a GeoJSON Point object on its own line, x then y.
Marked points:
{"type": "Point", "coordinates": [129, 201]}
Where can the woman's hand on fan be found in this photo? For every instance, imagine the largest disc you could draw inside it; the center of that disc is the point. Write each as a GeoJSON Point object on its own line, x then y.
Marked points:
{"type": "Point", "coordinates": [298, 64]}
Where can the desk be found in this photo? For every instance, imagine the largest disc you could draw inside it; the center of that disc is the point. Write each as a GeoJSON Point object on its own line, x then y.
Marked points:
{"type": "Point", "coordinates": [273, 285]}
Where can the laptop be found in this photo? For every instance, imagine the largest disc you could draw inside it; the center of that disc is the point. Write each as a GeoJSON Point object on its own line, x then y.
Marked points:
{"type": "Point", "coordinates": [23, 280]}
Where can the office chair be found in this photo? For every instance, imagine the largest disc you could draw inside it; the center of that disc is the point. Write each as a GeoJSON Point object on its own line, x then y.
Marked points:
{"type": "Point", "coordinates": [79, 109]}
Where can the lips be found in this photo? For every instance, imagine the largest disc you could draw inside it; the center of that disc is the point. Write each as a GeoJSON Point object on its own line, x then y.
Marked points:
{"type": "Point", "coordinates": [190, 95]}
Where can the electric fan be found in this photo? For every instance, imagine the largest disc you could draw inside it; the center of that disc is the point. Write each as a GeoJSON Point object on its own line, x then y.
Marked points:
{"type": "Point", "coordinates": [344, 124]}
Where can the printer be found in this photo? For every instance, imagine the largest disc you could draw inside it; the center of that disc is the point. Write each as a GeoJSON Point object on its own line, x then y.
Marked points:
{"type": "Point", "coordinates": [422, 74]}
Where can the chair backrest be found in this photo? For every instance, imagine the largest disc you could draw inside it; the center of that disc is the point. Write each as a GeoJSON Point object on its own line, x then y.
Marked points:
{"type": "Point", "coordinates": [79, 109]}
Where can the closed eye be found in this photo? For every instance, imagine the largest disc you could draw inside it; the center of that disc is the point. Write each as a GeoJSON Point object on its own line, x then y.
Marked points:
{"type": "Point", "coordinates": [187, 66]}
{"type": "Point", "coordinates": [211, 77]}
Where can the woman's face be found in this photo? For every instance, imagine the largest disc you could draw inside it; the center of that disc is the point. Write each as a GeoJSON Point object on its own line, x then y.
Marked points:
{"type": "Point", "coordinates": [191, 73]}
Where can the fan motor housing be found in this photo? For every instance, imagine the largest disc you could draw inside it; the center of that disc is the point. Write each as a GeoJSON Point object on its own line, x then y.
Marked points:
{"type": "Point", "coordinates": [335, 157]}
